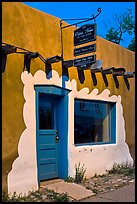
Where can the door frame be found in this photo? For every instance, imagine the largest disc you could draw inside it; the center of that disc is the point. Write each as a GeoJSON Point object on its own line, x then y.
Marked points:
{"type": "Point", "coordinates": [61, 95]}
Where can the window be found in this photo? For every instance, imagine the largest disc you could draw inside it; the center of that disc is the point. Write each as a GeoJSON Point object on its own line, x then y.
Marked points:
{"type": "Point", "coordinates": [46, 111]}
{"type": "Point", "coordinates": [94, 121]}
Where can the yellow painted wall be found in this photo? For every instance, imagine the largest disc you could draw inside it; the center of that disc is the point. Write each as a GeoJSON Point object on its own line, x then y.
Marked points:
{"type": "Point", "coordinates": [31, 29]}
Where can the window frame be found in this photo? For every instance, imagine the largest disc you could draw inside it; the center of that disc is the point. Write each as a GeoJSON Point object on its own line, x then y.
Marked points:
{"type": "Point", "coordinates": [112, 122]}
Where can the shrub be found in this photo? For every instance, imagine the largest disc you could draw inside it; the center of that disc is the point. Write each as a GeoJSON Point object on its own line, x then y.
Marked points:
{"type": "Point", "coordinates": [126, 169]}
{"type": "Point", "coordinates": [80, 173]}
{"type": "Point", "coordinates": [57, 197]}
{"type": "Point", "coordinates": [15, 198]}
{"type": "Point", "coordinates": [35, 196]}
{"type": "Point", "coordinates": [69, 179]}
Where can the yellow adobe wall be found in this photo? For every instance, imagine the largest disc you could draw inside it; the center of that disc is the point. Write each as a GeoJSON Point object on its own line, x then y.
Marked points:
{"type": "Point", "coordinates": [31, 29]}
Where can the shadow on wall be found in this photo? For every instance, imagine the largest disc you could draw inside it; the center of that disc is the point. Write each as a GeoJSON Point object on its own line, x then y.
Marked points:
{"type": "Point", "coordinates": [28, 56]}
{"type": "Point", "coordinates": [81, 76]}
{"type": "Point", "coordinates": [94, 67]}
{"type": "Point", "coordinates": [48, 71]}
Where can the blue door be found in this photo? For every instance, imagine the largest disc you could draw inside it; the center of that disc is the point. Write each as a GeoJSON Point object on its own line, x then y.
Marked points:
{"type": "Point", "coordinates": [51, 131]}
{"type": "Point", "coordinates": [47, 144]}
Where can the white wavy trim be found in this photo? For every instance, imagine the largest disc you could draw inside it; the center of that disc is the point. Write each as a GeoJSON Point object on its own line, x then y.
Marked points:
{"type": "Point", "coordinates": [23, 176]}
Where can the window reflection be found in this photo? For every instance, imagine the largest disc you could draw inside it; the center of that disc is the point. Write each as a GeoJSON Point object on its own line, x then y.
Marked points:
{"type": "Point", "coordinates": [92, 121]}
{"type": "Point", "coordinates": [45, 112]}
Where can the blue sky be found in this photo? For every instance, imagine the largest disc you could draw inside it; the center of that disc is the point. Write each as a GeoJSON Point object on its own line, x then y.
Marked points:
{"type": "Point", "coordinates": [65, 10]}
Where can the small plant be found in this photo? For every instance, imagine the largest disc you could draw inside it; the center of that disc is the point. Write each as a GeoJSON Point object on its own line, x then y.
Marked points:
{"type": "Point", "coordinates": [57, 197]}
{"type": "Point", "coordinates": [126, 169]}
{"type": "Point", "coordinates": [80, 173]}
{"type": "Point", "coordinates": [95, 176]}
{"type": "Point", "coordinates": [69, 179]}
{"type": "Point", "coordinates": [94, 190]}
{"type": "Point", "coordinates": [5, 197]}
{"type": "Point", "coordinates": [15, 198]}
{"type": "Point", "coordinates": [35, 196]}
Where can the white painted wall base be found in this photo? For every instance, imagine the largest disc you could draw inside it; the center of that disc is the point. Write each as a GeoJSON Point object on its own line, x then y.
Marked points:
{"type": "Point", "coordinates": [96, 158]}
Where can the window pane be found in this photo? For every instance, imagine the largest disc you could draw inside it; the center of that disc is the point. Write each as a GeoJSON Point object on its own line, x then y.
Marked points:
{"type": "Point", "coordinates": [45, 112]}
{"type": "Point", "coordinates": [92, 121]}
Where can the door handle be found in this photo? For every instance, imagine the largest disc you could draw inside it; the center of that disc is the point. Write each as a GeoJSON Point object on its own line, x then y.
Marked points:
{"type": "Point", "coordinates": [57, 138]}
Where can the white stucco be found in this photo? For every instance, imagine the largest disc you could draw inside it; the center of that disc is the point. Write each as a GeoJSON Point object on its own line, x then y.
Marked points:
{"type": "Point", "coordinates": [96, 158]}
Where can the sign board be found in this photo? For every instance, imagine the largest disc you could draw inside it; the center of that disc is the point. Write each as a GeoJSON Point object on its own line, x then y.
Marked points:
{"type": "Point", "coordinates": [84, 62]}
{"type": "Point", "coordinates": [84, 34]}
{"type": "Point", "coordinates": [86, 49]}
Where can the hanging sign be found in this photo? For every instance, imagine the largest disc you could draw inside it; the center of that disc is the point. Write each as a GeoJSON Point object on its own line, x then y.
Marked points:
{"type": "Point", "coordinates": [84, 62]}
{"type": "Point", "coordinates": [85, 49]}
{"type": "Point", "coordinates": [84, 34]}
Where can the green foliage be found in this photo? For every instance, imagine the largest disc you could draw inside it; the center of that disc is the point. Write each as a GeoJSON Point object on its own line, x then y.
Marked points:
{"type": "Point", "coordinates": [95, 175]}
{"type": "Point", "coordinates": [112, 35]}
{"type": "Point", "coordinates": [80, 173]}
{"type": "Point", "coordinates": [127, 22]}
{"type": "Point", "coordinates": [93, 189]}
{"type": "Point", "coordinates": [56, 197]}
{"type": "Point", "coordinates": [126, 169]}
{"type": "Point", "coordinates": [15, 198]}
{"type": "Point", "coordinates": [35, 196]}
{"type": "Point", "coordinates": [124, 23]}
{"type": "Point", "coordinates": [131, 46]}
{"type": "Point", "coordinates": [5, 197]}
{"type": "Point", "coordinates": [69, 179]}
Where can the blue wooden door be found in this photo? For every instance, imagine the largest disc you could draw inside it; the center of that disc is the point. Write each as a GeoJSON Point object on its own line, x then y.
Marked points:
{"type": "Point", "coordinates": [47, 138]}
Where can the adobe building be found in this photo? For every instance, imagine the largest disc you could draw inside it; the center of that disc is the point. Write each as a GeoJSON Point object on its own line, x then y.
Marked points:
{"type": "Point", "coordinates": [53, 116]}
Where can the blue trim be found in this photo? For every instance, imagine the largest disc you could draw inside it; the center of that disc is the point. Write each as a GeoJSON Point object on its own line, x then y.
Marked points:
{"type": "Point", "coordinates": [51, 89]}
{"type": "Point", "coordinates": [62, 124]}
{"type": "Point", "coordinates": [112, 119]}
{"type": "Point", "coordinates": [113, 123]}
{"type": "Point", "coordinates": [61, 96]}
{"type": "Point", "coordinates": [37, 141]}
